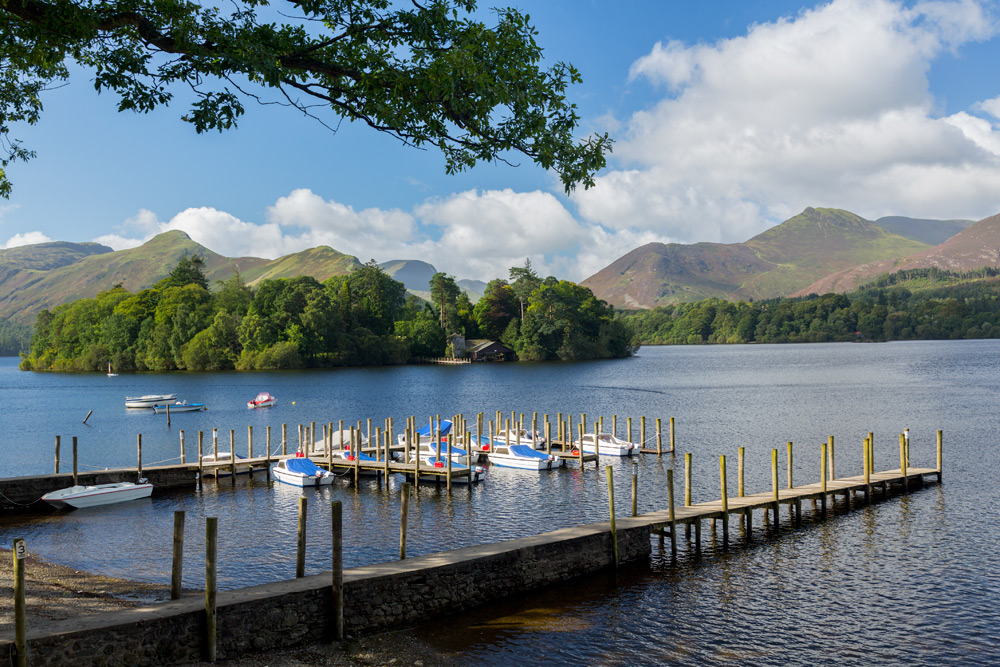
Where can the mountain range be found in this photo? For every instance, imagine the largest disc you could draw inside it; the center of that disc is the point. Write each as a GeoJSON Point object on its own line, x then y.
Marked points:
{"type": "Point", "coordinates": [818, 250]}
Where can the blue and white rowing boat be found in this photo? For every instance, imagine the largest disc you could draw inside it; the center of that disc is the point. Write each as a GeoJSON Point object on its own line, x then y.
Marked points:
{"type": "Point", "coordinates": [301, 472]}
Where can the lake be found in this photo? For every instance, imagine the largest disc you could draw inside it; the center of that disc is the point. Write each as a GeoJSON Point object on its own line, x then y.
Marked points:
{"type": "Point", "coordinates": [908, 581]}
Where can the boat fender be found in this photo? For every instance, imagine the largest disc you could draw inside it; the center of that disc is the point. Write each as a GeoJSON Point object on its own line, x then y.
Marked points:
{"type": "Point", "coordinates": [576, 452]}
{"type": "Point", "coordinates": [486, 448]}
{"type": "Point", "coordinates": [439, 464]}
{"type": "Point", "coordinates": [350, 457]}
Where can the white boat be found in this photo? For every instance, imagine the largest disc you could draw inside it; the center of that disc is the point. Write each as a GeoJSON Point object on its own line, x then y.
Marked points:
{"type": "Point", "coordinates": [224, 471]}
{"type": "Point", "coordinates": [301, 471]}
{"type": "Point", "coordinates": [98, 494]}
{"type": "Point", "coordinates": [149, 400]}
{"type": "Point", "coordinates": [522, 436]}
{"type": "Point", "coordinates": [263, 400]}
{"type": "Point", "coordinates": [478, 472]}
{"type": "Point", "coordinates": [338, 437]}
{"type": "Point", "coordinates": [424, 435]}
{"type": "Point", "coordinates": [607, 444]}
{"type": "Point", "coordinates": [524, 457]}
{"type": "Point", "coordinates": [180, 406]}
{"type": "Point", "coordinates": [110, 374]}
{"type": "Point", "coordinates": [428, 448]}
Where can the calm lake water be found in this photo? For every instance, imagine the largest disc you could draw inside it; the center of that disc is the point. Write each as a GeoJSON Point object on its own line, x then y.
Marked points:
{"type": "Point", "coordinates": [908, 581]}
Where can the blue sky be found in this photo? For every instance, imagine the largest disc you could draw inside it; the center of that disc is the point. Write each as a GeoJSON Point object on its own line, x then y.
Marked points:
{"type": "Point", "coordinates": [729, 117]}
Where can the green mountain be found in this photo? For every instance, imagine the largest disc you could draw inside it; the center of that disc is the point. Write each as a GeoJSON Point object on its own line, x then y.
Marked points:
{"type": "Point", "coordinates": [931, 232]}
{"type": "Point", "coordinates": [321, 263]}
{"type": "Point", "coordinates": [777, 262]}
{"type": "Point", "coordinates": [46, 256]}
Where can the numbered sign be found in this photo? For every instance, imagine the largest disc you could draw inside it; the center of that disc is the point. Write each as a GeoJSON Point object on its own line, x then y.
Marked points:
{"type": "Point", "coordinates": [20, 549]}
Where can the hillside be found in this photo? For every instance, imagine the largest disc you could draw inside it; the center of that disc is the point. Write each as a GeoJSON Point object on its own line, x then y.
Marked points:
{"type": "Point", "coordinates": [47, 256]}
{"type": "Point", "coordinates": [321, 263]}
{"type": "Point", "coordinates": [777, 262]}
{"type": "Point", "coordinates": [931, 232]}
{"type": "Point", "coordinates": [972, 248]}
{"type": "Point", "coordinates": [416, 276]}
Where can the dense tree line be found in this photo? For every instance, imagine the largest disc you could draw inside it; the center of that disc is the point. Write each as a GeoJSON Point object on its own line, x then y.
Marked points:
{"type": "Point", "coordinates": [364, 318]}
{"type": "Point", "coordinates": [15, 338]}
{"type": "Point", "coordinates": [912, 308]}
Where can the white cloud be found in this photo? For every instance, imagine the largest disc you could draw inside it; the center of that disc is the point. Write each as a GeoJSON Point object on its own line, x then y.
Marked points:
{"type": "Point", "coordinates": [831, 107]}
{"type": "Point", "coordinates": [28, 238]}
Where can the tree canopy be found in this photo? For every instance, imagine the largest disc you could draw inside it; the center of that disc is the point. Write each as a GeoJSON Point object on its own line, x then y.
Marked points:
{"type": "Point", "coordinates": [428, 73]}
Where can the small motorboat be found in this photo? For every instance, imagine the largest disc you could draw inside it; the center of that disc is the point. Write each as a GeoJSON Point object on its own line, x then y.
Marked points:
{"type": "Point", "coordinates": [224, 470]}
{"type": "Point", "coordinates": [149, 400]}
{"type": "Point", "coordinates": [340, 439]}
{"type": "Point", "coordinates": [522, 436]}
{"type": "Point", "coordinates": [478, 472]}
{"type": "Point", "coordinates": [110, 373]}
{"type": "Point", "coordinates": [606, 445]}
{"type": "Point", "coordinates": [301, 471]}
{"type": "Point", "coordinates": [180, 406]}
{"type": "Point", "coordinates": [98, 494]}
{"type": "Point", "coordinates": [263, 400]}
{"type": "Point", "coordinates": [425, 435]}
{"type": "Point", "coordinates": [524, 457]}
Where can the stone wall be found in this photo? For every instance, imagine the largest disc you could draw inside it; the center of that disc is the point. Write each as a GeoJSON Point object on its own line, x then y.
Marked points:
{"type": "Point", "coordinates": [296, 612]}
{"type": "Point", "coordinates": [22, 494]}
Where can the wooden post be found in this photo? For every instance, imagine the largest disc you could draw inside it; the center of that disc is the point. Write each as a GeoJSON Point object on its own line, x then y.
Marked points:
{"type": "Point", "coordinates": [201, 457]}
{"type": "Point", "coordinates": [774, 486]}
{"type": "Point", "coordinates": [687, 479]}
{"type": "Point", "coordinates": [740, 452]}
{"type": "Point", "coordinates": [284, 439]}
{"type": "Point", "coordinates": [579, 451]}
{"type": "Point", "coordinates": [868, 470]}
{"type": "Point", "coordinates": [183, 461]}
{"type": "Point", "coordinates": [659, 438]}
{"type": "Point", "coordinates": [635, 489]}
{"type": "Point", "coordinates": [75, 482]}
{"type": "Point", "coordinates": [232, 455]}
{"type": "Point", "coordinates": [338, 571]}
{"type": "Point", "coordinates": [790, 484]}
{"type": "Point", "coordinates": [611, 507]}
{"type": "Point", "coordinates": [168, 414]}
{"type": "Point", "coordinates": [642, 432]}
{"type": "Point", "coordinates": [871, 450]}
{"type": "Point", "coordinates": [614, 425]}
{"type": "Point", "coordinates": [139, 454]}
{"type": "Point", "coordinates": [451, 439]}
{"type": "Point", "coordinates": [416, 459]}
{"type": "Point", "coordinates": [311, 444]}
{"type": "Point", "coordinates": [940, 453]}
{"type": "Point", "coordinates": [548, 435]}
{"type": "Point", "coordinates": [672, 437]}
{"type": "Point", "coordinates": [822, 478]}
{"type": "Point", "coordinates": [211, 532]}
{"type": "Point", "coordinates": [725, 502]}
{"type": "Point", "coordinates": [902, 462]}
{"type": "Point", "coordinates": [300, 553]}
{"type": "Point", "coordinates": [178, 563]}
{"type": "Point", "coordinates": [92, 412]}
{"type": "Point", "coordinates": [670, 505]}
{"type": "Point", "coordinates": [267, 455]}
{"type": "Point", "coordinates": [832, 470]}
{"type": "Point", "coordinates": [249, 449]}
{"type": "Point", "coordinates": [20, 614]}
{"type": "Point", "coordinates": [58, 439]}
{"type": "Point", "coordinates": [404, 512]}
{"type": "Point", "coordinates": [628, 422]}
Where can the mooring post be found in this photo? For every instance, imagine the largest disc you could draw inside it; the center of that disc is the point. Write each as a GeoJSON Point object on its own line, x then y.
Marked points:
{"type": "Point", "coordinates": [20, 615]}
{"type": "Point", "coordinates": [725, 502]}
{"type": "Point", "coordinates": [614, 425]}
{"type": "Point", "coordinates": [628, 420]}
{"type": "Point", "coordinates": [139, 454]}
{"type": "Point", "coordinates": [300, 553]}
{"type": "Point", "coordinates": [659, 438]}
{"type": "Point", "coordinates": [183, 460]}
{"type": "Point", "coordinates": [774, 486]}
{"type": "Point", "coordinates": [57, 454]}
{"type": "Point", "coordinates": [902, 462]}
{"type": "Point", "coordinates": [284, 439]}
{"type": "Point", "coordinates": [868, 469]}
{"type": "Point", "coordinates": [635, 489]}
{"type": "Point", "coordinates": [249, 449]}
{"type": "Point", "coordinates": [642, 432]}
{"type": "Point", "coordinates": [871, 449]}
{"type": "Point", "coordinates": [791, 485]}
{"type": "Point", "coordinates": [232, 456]}
{"type": "Point", "coordinates": [211, 533]}
{"type": "Point", "coordinates": [267, 455]}
{"type": "Point", "coordinates": [671, 435]}
{"type": "Point", "coordinates": [670, 506]}
{"type": "Point", "coordinates": [451, 439]}
{"type": "Point", "coordinates": [178, 562]}
{"type": "Point", "coordinates": [940, 452]}
{"type": "Point", "coordinates": [404, 513]}
{"type": "Point", "coordinates": [337, 596]}
{"type": "Point", "coordinates": [548, 436]}
{"type": "Point", "coordinates": [580, 449]}
{"type": "Point", "coordinates": [88, 416]}
{"type": "Point", "coordinates": [74, 462]}
{"type": "Point", "coordinates": [740, 453]}
{"type": "Point", "coordinates": [822, 477]}
{"type": "Point", "coordinates": [611, 509]}
{"type": "Point", "coordinates": [201, 457]}
{"type": "Point", "coordinates": [832, 470]}
{"type": "Point", "coordinates": [168, 414]}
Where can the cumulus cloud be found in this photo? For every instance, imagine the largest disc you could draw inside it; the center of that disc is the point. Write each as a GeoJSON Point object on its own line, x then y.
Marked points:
{"type": "Point", "coordinates": [831, 107]}
{"type": "Point", "coordinates": [27, 238]}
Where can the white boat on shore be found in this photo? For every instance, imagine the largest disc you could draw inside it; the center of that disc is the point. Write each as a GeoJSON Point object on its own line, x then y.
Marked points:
{"type": "Point", "coordinates": [149, 400]}
{"type": "Point", "coordinates": [606, 444]}
{"type": "Point", "coordinates": [301, 471]}
{"type": "Point", "coordinates": [180, 406]}
{"type": "Point", "coordinates": [98, 494]}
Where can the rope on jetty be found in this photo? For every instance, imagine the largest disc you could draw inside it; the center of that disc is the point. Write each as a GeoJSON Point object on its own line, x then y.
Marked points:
{"type": "Point", "coordinates": [14, 502]}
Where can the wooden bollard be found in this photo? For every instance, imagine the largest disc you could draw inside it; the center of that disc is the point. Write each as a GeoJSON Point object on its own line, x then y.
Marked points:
{"type": "Point", "coordinates": [178, 556]}
{"type": "Point", "coordinates": [579, 451]}
{"type": "Point", "coordinates": [201, 457]}
{"type": "Point", "coordinates": [548, 436]}
{"type": "Point", "coordinates": [20, 614]}
{"type": "Point", "coordinates": [659, 438]}
{"type": "Point", "coordinates": [687, 479]}
{"type": "Point", "coordinates": [337, 597]}
{"type": "Point", "coordinates": [267, 455]}
{"type": "Point", "coordinates": [832, 469]}
{"type": "Point", "coordinates": [284, 439]}
{"type": "Point", "coordinates": [642, 432]}
{"type": "Point", "coordinates": [740, 453]}
{"type": "Point", "coordinates": [168, 414]}
{"type": "Point", "coordinates": [416, 459]}
{"type": "Point", "coordinates": [58, 438]}
{"type": "Point", "coordinates": [774, 486]}
{"type": "Point", "coordinates": [404, 512]}
{"type": "Point", "coordinates": [88, 416]}
{"type": "Point", "coordinates": [75, 482]}
{"type": "Point", "coordinates": [635, 489]}
{"type": "Point", "coordinates": [232, 455]}
{"type": "Point", "coordinates": [902, 462]}
{"type": "Point", "coordinates": [725, 502]}
{"type": "Point", "coordinates": [672, 436]}
{"type": "Point", "coordinates": [611, 509]}
{"type": "Point", "coordinates": [249, 449]}
{"type": "Point", "coordinates": [183, 453]}
{"type": "Point", "coordinates": [670, 505]}
{"type": "Point", "coordinates": [139, 454]}
{"type": "Point", "coordinates": [451, 439]}
{"type": "Point", "coordinates": [300, 553]}
{"type": "Point", "coordinates": [871, 449]}
{"type": "Point", "coordinates": [940, 453]}
{"type": "Point", "coordinates": [211, 533]}
{"type": "Point", "coordinates": [868, 469]}
{"type": "Point", "coordinates": [628, 428]}
{"type": "Point", "coordinates": [614, 425]}
{"type": "Point", "coordinates": [790, 483]}
{"type": "Point", "coordinates": [311, 445]}
{"type": "Point", "coordinates": [822, 478]}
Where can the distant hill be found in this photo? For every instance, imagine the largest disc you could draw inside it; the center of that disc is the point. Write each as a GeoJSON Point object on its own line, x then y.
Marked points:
{"type": "Point", "coordinates": [775, 263]}
{"type": "Point", "coordinates": [931, 232]}
{"type": "Point", "coordinates": [972, 248]}
{"type": "Point", "coordinates": [416, 275]}
{"type": "Point", "coordinates": [321, 263]}
{"type": "Point", "coordinates": [47, 256]}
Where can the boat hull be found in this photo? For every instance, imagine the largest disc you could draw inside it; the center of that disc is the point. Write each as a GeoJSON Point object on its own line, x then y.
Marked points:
{"type": "Point", "coordinates": [522, 463]}
{"type": "Point", "coordinates": [179, 407]}
{"type": "Point", "coordinates": [286, 477]}
{"type": "Point", "coordinates": [263, 404]}
{"type": "Point", "coordinates": [150, 400]}
{"type": "Point", "coordinates": [98, 494]}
